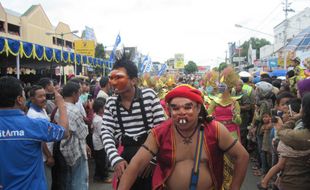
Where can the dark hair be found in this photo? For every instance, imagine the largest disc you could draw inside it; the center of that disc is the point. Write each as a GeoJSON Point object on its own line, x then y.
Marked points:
{"type": "Point", "coordinates": [306, 110]}
{"type": "Point", "coordinates": [103, 81]}
{"type": "Point", "coordinates": [98, 104]}
{"type": "Point", "coordinates": [290, 73]}
{"type": "Point", "coordinates": [44, 82]}
{"type": "Point", "coordinates": [295, 104]}
{"type": "Point", "coordinates": [76, 80]}
{"type": "Point", "coordinates": [11, 88]}
{"type": "Point", "coordinates": [70, 88]}
{"type": "Point", "coordinates": [264, 75]}
{"type": "Point", "coordinates": [245, 79]}
{"type": "Point", "coordinates": [203, 115]}
{"type": "Point", "coordinates": [129, 66]}
{"type": "Point", "coordinates": [282, 95]}
{"type": "Point", "coordinates": [34, 88]}
{"type": "Point", "coordinates": [55, 82]}
{"type": "Point", "coordinates": [276, 83]}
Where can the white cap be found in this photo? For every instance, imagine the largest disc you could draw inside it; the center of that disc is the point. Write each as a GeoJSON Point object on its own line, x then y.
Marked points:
{"type": "Point", "coordinates": [244, 74]}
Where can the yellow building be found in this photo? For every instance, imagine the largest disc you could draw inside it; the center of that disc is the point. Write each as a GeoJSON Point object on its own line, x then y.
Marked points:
{"type": "Point", "coordinates": [32, 27]}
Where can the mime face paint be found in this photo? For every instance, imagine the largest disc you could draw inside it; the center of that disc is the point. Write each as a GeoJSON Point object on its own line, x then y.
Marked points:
{"type": "Point", "coordinates": [119, 80]}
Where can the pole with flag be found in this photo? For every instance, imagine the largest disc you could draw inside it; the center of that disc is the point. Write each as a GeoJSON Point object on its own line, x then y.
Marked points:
{"type": "Point", "coordinates": [117, 42]}
{"type": "Point", "coordinates": [143, 64]}
{"type": "Point", "coordinates": [162, 69]}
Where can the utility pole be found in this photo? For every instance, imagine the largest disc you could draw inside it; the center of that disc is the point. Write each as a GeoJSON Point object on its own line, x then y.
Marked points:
{"type": "Point", "coordinates": [286, 10]}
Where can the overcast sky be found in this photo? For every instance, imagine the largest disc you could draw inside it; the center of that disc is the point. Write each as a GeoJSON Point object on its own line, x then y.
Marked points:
{"type": "Point", "coordinates": [200, 29]}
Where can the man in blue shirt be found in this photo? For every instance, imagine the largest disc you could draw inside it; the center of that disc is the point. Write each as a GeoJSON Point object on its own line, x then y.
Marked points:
{"type": "Point", "coordinates": [20, 138]}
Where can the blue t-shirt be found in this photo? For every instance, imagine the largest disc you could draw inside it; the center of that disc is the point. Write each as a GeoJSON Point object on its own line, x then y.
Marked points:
{"type": "Point", "coordinates": [21, 165]}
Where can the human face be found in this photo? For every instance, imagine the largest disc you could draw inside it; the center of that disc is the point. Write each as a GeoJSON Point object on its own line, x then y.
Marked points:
{"type": "Point", "coordinates": [184, 112]}
{"type": "Point", "coordinates": [282, 106]}
{"type": "Point", "coordinates": [50, 88]}
{"type": "Point", "coordinates": [266, 118]}
{"type": "Point", "coordinates": [39, 98]}
{"type": "Point", "coordinates": [239, 86]}
{"type": "Point", "coordinates": [120, 81]}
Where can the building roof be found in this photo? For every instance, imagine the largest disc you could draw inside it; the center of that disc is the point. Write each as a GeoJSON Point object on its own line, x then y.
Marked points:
{"type": "Point", "coordinates": [11, 12]}
{"type": "Point", "coordinates": [30, 10]}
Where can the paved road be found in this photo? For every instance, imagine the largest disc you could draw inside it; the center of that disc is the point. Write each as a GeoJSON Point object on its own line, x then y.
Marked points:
{"type": "Point", "coordinates": [249, 183]}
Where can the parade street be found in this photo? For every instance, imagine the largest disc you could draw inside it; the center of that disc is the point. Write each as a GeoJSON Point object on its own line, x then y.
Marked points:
{"type": "Point", "coordinates": [248, 184]}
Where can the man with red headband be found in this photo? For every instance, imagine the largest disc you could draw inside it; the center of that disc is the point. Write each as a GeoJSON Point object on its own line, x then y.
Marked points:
{"type": "Point", "coordinates": [189, 148]}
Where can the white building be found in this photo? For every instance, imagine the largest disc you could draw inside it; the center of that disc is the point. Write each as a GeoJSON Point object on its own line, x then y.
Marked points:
{"type": "Point", "coordinates": [295, 24]}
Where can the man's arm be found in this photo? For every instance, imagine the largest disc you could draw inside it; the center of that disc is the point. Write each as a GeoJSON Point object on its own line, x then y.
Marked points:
{"type": "Point", "coordinates": [239, 155]}
{"type": "Point", "coordinates": [138, 163]}
{"type": "Point", "coordinates": [108, 131]}
{"type": "Point", "coordinates": [63, 118]}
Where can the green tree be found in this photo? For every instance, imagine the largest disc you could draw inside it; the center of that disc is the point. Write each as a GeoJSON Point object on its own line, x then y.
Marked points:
{"type": "Point", "coordinates": [191, 67]}
{"type": "Point", "coordinates": [222, 66]}
{"type": "Point", "coordinates": [256, 44]}
{"type": "Point", "coordinates": [99, 51]}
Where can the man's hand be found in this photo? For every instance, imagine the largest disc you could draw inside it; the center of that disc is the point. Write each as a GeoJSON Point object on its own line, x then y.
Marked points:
{"type": "Point", "coordinates": [279, 123]}
{"type": "Point", "coordinates": [59, 101]}
{"type": "Point", "coordinates": [88, 151]}
{"type": "Point", "coordinates": [119, 168]}
{"type": "Point", "coordinates": [50, 162]}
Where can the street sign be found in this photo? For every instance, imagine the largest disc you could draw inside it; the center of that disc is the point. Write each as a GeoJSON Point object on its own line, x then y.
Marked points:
{"type": "Point", "coordinates": [238, 59]}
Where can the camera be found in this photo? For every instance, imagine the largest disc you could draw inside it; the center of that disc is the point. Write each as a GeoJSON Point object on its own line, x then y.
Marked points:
{"type": "Point", "coordinates": [89, 97]}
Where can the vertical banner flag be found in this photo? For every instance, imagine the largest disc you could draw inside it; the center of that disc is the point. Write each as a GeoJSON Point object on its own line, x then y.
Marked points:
{"type": "Point", "coordinates": [143, 63]}
{"type": "Point", "coordinates": [250, 58]}
{"type": "Point", "coordinates": [148, 66]}
{"type": "Point", "coordinates": [162, 69]}
{"type": "Point", "coordinates": [117, 41]}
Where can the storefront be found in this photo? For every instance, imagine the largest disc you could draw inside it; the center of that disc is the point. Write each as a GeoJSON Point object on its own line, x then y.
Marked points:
{"type": "Point", "coordinates": [29, 61]}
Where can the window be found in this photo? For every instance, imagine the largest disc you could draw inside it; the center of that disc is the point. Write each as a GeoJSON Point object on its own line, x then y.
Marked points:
{"type": "Point", "coordinates": [54, 41]}
{"type": "Point", "coordinates": [13, 29]}
{"type": "Point", "coordinates": [59, 42]}
{"type": "Point", "coordinates": [2, 26]}
{"type": "Point", "coordinates": [69, 44]}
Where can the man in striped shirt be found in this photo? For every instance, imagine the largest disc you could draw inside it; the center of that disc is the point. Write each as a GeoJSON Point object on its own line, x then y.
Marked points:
{"type": "Point", "coordinates": [128, 117]}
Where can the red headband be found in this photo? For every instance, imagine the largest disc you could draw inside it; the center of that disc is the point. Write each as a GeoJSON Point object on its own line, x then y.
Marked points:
{"type": "Point", "coordinates": [185, 91]}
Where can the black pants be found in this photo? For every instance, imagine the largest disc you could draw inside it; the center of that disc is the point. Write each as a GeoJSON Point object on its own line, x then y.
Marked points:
{"type": "Point", "coordinates": [101, 168]}
{"type": "Point", "coordinates": [140, 183]}
{"type": "Point", "coordinates": [59, 170]}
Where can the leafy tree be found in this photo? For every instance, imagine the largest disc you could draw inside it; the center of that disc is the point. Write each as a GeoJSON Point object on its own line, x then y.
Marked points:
{"type": "Point", "coordinates": [99, 51]}
{"type": "Point", "coordinates": [222, 66]}
{"type": "Point", "coordinates": [191, 67]}
{"type": "Point", "coordinates": [256, 44]}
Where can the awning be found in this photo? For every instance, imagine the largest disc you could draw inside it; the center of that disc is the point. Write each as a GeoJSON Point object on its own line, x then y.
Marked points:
{"type": "Point", "coordinates": [39, 52]}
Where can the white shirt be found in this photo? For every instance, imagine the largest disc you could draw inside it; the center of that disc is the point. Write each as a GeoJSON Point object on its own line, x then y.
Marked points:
{"type": "Point", "coordinates": [102, 94]}
{"type": "Point", "coordinates": [97, 123]}
{"type": "Point", "coordinates": [34, 112]}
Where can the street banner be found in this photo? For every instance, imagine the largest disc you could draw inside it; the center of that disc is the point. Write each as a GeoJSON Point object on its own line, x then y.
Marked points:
{"type": "Point", "coordinates": [162, 69]}
{"type": "Point", "coordinates": [179, 61]}
{"type": "Point", "coordinates": [117, 42]}
{"type": "Point", "coordinates": [85, 47]}
{"type": "Point", "coordinates": [149, 65]}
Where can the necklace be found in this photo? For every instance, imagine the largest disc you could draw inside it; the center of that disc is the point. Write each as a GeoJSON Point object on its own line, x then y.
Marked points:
{"type": "Point", "coordinates": [186, 140]}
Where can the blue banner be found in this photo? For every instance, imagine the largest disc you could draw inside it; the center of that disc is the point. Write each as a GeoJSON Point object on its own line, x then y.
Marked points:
{"type": "Point", "coordinates": [162, 70]}
{"type": "Point", "coordinates": [117, 42]}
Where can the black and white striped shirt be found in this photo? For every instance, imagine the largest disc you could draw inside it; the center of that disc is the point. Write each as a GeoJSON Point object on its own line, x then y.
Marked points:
{"type": "Point", "coordinates": [132, 120]}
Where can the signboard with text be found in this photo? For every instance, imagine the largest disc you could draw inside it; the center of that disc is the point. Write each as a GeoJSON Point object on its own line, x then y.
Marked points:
{"type": "Point", "coordinates": [179, 61]}
{"type": "Point", "coordinates": [85, 47]}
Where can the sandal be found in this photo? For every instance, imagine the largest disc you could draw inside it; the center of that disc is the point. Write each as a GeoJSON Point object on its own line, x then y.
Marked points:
{"type": "Point", "coordinates": [260, 187]}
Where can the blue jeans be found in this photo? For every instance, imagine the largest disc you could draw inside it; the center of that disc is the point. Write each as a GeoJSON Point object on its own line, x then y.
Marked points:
{"type": "Point", "coordinates": [262, 154]}
{"type": "Point", "coordinates": [77, 175]}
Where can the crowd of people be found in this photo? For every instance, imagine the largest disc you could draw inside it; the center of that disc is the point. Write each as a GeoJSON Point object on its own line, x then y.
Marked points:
{"type": "Point", "coordinates": [170, 132]}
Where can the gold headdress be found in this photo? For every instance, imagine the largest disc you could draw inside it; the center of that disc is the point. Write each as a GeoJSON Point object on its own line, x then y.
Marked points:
{"type": "Point", "coordinates": [229, 77]}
